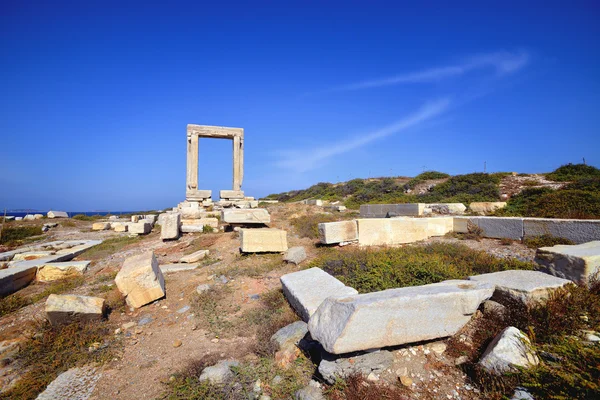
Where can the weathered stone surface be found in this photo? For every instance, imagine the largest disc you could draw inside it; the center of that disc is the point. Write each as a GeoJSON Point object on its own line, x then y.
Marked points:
{"type": "Point", "coordinates": [28, 217]}
{"type": "Point", "coordinates": [220, 372]}
{"type": "Point", "coordinates": [8, 218]}
{"type": "Point", "coordinates": [177, 267]}
{"type": "Point", "coordinates": [312, 391]}
{"type": "Point", "coordinates": [577, 230]}
{"type": "Point", "coordinates": [32, 255]}
{"type": "Point", "coordinates": [170, 226]}
{"type": "Point", "coordinates": [486, 207]}
{"type": "Point", "coordinates": [508, 350]}
{"type": "Point", "coordinates": [18, 218]}
{"type": "Point", "coordinates": [439, 226]}
{"type": "Point", "coordinates": [391, 210]}
{"type": "Point", "coordinates": [445, 208]}
{"type": "Point", "coordinates": [113, 218]}
{"type": "Point", "coordinates": [338, 232]}
{"type": "Point", "coordinates": [461, 224]}
{"type": "Point", "coordinates": [314, 202]}
{"type": "Point", "coordinates": [295, 255]}
{"type": "Point", "coordinates": [305, 290]}
{"type": "Point", "coordinates": [575, 262]}
{"type": "Point", "coordinates": [194, 257]}
{"type": "Point", "coordinates": [396, 316]}
{"type": "Point", "coordinates": [212, 222]}
{"type": "Point", "coordinates": [74, 384]}
{"type": "Point", "coordinates": [121, 227]}
{"type": "Point", "coordinates": [193, 228]}
{"type": "Point", "coordinates": [285, 342]}
{"type": "Point", "coordinates": [232, 194]}
{"type": "Point", "coordinates": [100, 226]}
{"type": "Point", "coordinates": [198, 195]}
{"type": "Point", "coordinates": [14, 278]}
{"type": "Point", "coordinates": [54, 271]}
{"type": "Point", "coordinates": [245, 216]}
{"type": "Point", "coordinates": [57, 214]}
{"type": "Point", "coordinates": [263, 240]}
{"type": "Point", "coordinates": [364, 364]}
{"type": "Point", "coordinates": [390, 231]}
{"type": "Point", "coordinates": [66, 308]}
{"type": "Point", "coordinates": [141, 228]}
{"type": "Point", "coordinates": [38, 216]}
{"type": "Point", "coordinates": [524, 286]}
{"type": "Point", "coordinates": [135, 218]}
{"type": "Point", "coordinates": [500, 227]}
{"type": "Point", "coordinates": [141, 280]}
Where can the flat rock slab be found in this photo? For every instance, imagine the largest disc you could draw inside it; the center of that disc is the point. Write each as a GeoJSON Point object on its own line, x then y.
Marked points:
{"type": "Point", "coordinates": [140, 280]}
{"type": "Point", "coordinates": [391, 210]}
{"type": "Point", "coordinates": [523, 286]}
{"type": "Point", "coordinates": [575, 262]}
{"type": "Point", "coordinates": [74, 384]}
{"type": "Point", "coordinates": [439, 226]}
{"type": "Point", "coordinates": [53, 271]}
{"type": "Point", "coordinates": [396, 316]}
{"type": "Point", "coordinates": [338, 232]}
{"type": "Point", "coordinates": [245, 216]}
{"type": "Point", "coordinates": [14, 278]}
{"type": "Point", "coordinates": [169, 226]}
{"type": "Point", "coordinates": [343, 367]}
{"type": "Point", "coordinates": [263, 240]}
{"type": "Point", "coordinates": [176, 267]}
{"type": "Point", "coordinates": [57, 214]}
{"type": "Point", "coordinates": [100, 226]}
{"type": "Point", "coordinates": [509, 350]}
{"type": "Point", "coordinates": [486, 207]}
{"type": "Point", "coordinates": [32, 255]}
{"type": "Point", "coordinates": [501, 227]}
{"type": "Point", "coordinates": [576, 230]}
{"type": "Point", "coordinates": [391, 231]}
{"type": "Point", "coordinates": [306, 290]}
{"type": "Point", "coordinates": [64, 309]}
{"type": "Point", "coordinates": [194, 257]}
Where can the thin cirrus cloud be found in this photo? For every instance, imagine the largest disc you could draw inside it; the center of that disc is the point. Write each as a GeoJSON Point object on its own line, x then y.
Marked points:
{"type": "Point", "coordinates": [503, 63]}
{"type": "Point", "coordinates": [307, 160]}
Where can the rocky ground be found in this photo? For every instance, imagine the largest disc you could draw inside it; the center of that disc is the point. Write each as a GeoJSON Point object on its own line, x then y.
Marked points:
{"type": "Point", "coordinates": [159, 340]}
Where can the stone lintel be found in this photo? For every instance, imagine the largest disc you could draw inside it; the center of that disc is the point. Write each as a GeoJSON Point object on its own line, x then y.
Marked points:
{"type": "Point", "coordinates": [221, 132]}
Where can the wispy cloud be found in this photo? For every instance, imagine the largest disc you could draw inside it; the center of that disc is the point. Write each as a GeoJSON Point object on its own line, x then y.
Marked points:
{"type": "Point", "coordinates": [502, 63]}
{"type": "Point", "coordinates": [301, 161]}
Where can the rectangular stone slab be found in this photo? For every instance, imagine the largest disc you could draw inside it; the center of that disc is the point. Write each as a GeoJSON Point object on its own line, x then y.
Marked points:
{"type": "Point", "coordinates": [501, 227]}
{"type": "Point", "coordinates": [306, 290]}
{"type": "Point", "coordinates": [140, 228]}
{"type": "Point", "coordinates": [576, 230]}
{"type": "Point", "coordinates": [390, 231]}
{"type": "Point", "coordinates": [520, 285]}
{"type": "Point", "coordinates": [67, 308]}
{"type": "Point", "coordinates": [170, 226]}
{"type": "Point", "coordinates": [57, 214]}
{"type": "Point", "coordinates": [245, 216]}
{"type": "Point", "coordinates": [575, 262]}
{"type": "Point", "coordinates": [338, 232]}
{"type": "Point", "coordinates": [439, 226]}
{"type": "Point", "coordinates": [14, 278]}
{"type": "Point", "coordinates": [232, 194]}
{"type": "Point", "coordinates": [177, 267]}
{"type": "Point", "coordinates": [194, 257]}
{"type": "Point", "coordinates": [391, 210]}
{"type": "Point", "coordinates": [53, 271]}
{"type": "Point", "coordinates": [396, 316]}
{"type": "Point", "coordinates": [263, 240]}
{"type": "Point", "coordinates": [140, 280]}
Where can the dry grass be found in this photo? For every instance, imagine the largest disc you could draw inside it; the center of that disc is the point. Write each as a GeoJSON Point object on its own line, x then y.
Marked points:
{"type": "Point", "coordinates": [356, 387]}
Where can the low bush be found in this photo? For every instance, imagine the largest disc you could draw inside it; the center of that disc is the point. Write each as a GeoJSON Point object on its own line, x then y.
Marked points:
{"type": "Point", "coordinates": [307, 226]}
{"type": "Point", "coordinates": [369, 270]}
{"type": "Point", "coordinates": [83, 217]}
{"type": "Point", "coordinates": [536, 242]}
{"type": "Point", "coordinates": [356, 387]}
{"type": "Point", "coordinates": [425, 176]}
{"type": "Point", "coordinates": [573, 172]}
{"type": "Point", "coordinates": [13, 236]}
{"type": "Point", "coordinates": [12, 303]}
{"type": "Point", "coordinates": [464, 189]}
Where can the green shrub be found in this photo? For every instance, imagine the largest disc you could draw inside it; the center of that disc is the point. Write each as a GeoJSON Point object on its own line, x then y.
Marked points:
{"type": "Point", "coordinates": [545, 241]}
{"type": "Point", "coordinates": [586, 184]}
{"type": "Point", "coordinates": [525, 203]}
{"type": "Point", "coordinates": [369, 270]}
{"type": "Point", "coordinates": [15, 235]}
{"type": "Point", "coordinates": [83, 217]}
{"type": "Point", "coordinates": [12, 303]}
{"type": "Point", "coordinates": [572, 172]}
{"type": "Point", "coordinates": [427, 175]}
{"type": "Point", "coordinates": [307, 226]}
{"type": "Point", "coordinates": [464, 189]}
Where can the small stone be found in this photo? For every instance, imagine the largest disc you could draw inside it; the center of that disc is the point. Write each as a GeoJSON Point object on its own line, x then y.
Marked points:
{"type": "Point", "coordinates": [372, 377]}
{"type": "Point", "coordinates": [183, 309]}
{"type": "Point", "coordinates": [215, 340]}
{"type": "Point", "coordinates": [406, 381]}
{"type": "Point", "coordinates": [202, 288]}
{"type": "Point", "coordinates": [219, 373]}
{"type": "Point", "coordinates": [438, 347]}
{"type": "Point", "coordinates": [128, 325]}
{"type": "Point", "coordinates": [117, 331]}
{"type": "Point", "coordinates": [144, 321]}
{"type": "Point", "coordinates": [177, 343]}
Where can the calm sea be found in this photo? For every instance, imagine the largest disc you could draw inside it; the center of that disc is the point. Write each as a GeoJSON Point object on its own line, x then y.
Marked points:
{"type": "Point", "coordinates": [71, 213]}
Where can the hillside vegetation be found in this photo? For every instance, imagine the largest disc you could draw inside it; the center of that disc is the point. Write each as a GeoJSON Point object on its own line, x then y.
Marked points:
{"type": "Point", "coordinates": [579, 198]}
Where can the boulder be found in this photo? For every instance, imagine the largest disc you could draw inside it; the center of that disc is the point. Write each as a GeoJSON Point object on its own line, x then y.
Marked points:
{"type": "Point", "coordinates": [245, 216]}
{"type": "Point", "coordinates": [305, 290]}
{"type": "Point", "coordinates": [219, 373]}
{"type": "Point", "coordinates": [396, 316]}
{"type": "Point", "coordinates": [391, 231]}
{"type": "Point", "coordinates": [38, 216]}
{"type": "Point", "coordinates": [140, 280]}
{"type": "Point", "coordinates": [57, 214]}
{"type": "Point", "coordinates": [295, 255]}
{"type": "Point", "coordinates": [170, 225]}
{"type": "Point", "coordinates": [524, 286]}
{"type": "Point", "coordinates": [54, 271]}
{"type": "Point", "coordinates": [575, 262]}
{"type": "Point", "coordinates": [66, 308]}
{"type": "Point", "coordinates": [285, 341]}
{"type": "Point", "coordinates": [332, 367]}
{"type": "Point", "coordinates": [141, 228]}
{"type": "Point", "coordinates": [194, 257]}
{"type": "Point", "coordinates": [338, 232]}
{"type": "Point", "coordinates": [100, 226]}
{"type": "Point", "coordinates": [263, 240]}
{"type": "Point", "coordinates": [486, 207]}
{"type": "Point", "coordinates": [510, 349]}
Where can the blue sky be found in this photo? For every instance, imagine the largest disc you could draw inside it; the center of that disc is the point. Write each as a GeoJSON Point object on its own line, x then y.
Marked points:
{"type": "Point", "coordinates": [96, 96]}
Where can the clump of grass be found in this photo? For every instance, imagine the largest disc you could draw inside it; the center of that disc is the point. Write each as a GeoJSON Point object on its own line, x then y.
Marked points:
{"type": "Point", "coordinates": [68, 224]}
{"type": "Point", "coordinates": [54, 350]}
{"type": "Point", "coordinates": [545, 241]}
{"type": "Point", "coordinates": [356, 387]}
{"type": "Point", "coordinates": [58, 287]}
{"type": "Point", "coordinates": [207, 229]}
{"type": "Point", "coordinates": [369, 270]}
{"type": "Point", "coordinates": [83, 217]}
{"type": "Point", "coordinates": [110, 246]}
{"type": "Point", "coordinates": [425, 176]}
{"type": "Point", "coordinates": [114, 299]}
{"type": "Point", "coordinates": [214, 310]}
{"type": "Point", "coordinates": [253, 265]}
{"type": "Point", "coordinates": [572, 172]}
{"type": "Point", "coordinates": [12, 303]}
{"type": "Point", "coordinates": [17, 235]}
{"type": "Point", "coordinates": [307, 226]}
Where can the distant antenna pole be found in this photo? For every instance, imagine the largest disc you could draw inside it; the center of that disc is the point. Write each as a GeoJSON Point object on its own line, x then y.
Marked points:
{"type": "Point", "coordinates": [484, 166]}
{"type": "Point", "coordinates": [3, 222]}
